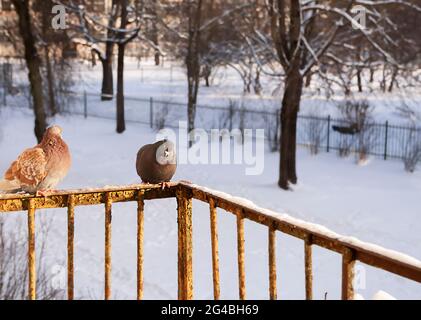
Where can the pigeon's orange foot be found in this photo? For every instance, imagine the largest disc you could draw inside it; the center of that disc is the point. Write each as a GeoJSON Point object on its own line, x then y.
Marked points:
{"type": "Point", "coordinates": [165, 185]}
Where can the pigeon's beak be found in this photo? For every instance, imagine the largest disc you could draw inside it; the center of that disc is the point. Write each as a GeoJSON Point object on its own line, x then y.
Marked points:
{"type": "Point", "coordinates": [166, 153]}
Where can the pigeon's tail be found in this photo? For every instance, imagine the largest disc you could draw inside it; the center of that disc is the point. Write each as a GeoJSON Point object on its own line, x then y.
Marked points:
{"type": "Point", "coordinates": [8, 185]}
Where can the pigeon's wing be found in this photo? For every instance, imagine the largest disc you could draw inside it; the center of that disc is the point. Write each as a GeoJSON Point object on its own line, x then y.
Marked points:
{"type": "Point", "coordinates": [141, 150]}
{"type": "Point", "coordinates": [29, 169]}
{"type": "Point", "coordinates": [139, 155]}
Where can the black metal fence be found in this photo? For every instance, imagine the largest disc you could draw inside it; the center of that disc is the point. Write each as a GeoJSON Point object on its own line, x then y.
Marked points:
{"type": "Point", "coordinates": [378, 139]}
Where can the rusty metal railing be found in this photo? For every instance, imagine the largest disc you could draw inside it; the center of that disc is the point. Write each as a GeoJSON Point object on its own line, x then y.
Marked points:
{"type": "Point", "coordinates": [350, 249]}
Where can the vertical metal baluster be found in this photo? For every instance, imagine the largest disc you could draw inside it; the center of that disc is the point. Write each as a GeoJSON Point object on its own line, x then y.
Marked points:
{"type": "Point", "coordinates": [31, 251]}
{"type": "Point", "coordinates": [70, 246]}
{"type": "Point", "coordinates": [215, 252]}
{"type": "Point", "coordinates": [240, 249]}
{"type": "Point", "coordinates": [140, 227]}
{"type": "Point", "coordinates": [108, 217]}
{"type": "Point", "coordinates": [272, 263]}
{"type": "Point", "coordinates": [308, 267]}
{"type": "Point", "coordinates": [348, 264]}
{"type": "Point", "coordinates": [185, 245]}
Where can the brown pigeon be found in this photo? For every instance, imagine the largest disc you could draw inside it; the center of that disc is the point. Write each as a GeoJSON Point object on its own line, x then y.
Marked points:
{"type": "Point", "coordinates": [156, 163]}
{"type": "Point", "coordinates": [39, 169]}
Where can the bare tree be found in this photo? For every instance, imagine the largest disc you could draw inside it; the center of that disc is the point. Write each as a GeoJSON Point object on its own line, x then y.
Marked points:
{"type": "Point", "coordinates": [124, 37]}
{"type": "Point", "coordinates": [188, 36]}
{"type": "Point", "coordinates": [155, 32]}
{"type": "Point", "coordinates": [87, 26]}
{"type": "Point", "coordinates": [304, 34]}
{"type": "Point", "coordinates": [33, 62]}
{"type": "Point", "coordinates": [45, 8]}
{"type": "Point", "coordinates": [193, 58]}
{"type": "Point", "coordinates": [106, 58]}
{"type": "Point", "coordinates": [89, 30]}
{"type": "Point", "coordinates": [57, 50]}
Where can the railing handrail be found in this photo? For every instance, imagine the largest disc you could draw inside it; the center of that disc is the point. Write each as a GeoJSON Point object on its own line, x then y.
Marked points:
{"type": "Point", "coordinates": [58, 199]}
{"type": "Point", "coordinates": [351, 249]}
{"type": "Point", "coordinates": [366, 252]}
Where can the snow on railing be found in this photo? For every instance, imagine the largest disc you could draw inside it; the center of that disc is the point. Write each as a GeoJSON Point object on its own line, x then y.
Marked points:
{"type": "Point", "coordinates": [351, 249]}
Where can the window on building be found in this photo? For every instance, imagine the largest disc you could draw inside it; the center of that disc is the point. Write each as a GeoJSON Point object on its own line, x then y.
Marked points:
{"type": "Point", "coordinates": [96, 5]}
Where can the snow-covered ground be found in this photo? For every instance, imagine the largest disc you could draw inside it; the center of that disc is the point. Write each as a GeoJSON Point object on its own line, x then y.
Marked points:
{"type": "Point", "coordinates": [377, 202]}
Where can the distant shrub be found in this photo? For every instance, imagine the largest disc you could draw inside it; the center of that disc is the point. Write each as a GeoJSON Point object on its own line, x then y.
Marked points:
{"type": "Point", "coordinates": [358, 117]}
{"type": "Point", "coordinates": [272, 129]}
{"type": "Point", "coordinates": [412, 150]}
{"type": "Point", "coordinates": [161, 115]}
{"type": "Point", "coordinates": [14, 264]}
{"type": "Point", "coordinates": [345, 146]}
{"type": "Point", "coordinates": [315, 131]}
{"type": "Point", "coordinates": [226, 117]}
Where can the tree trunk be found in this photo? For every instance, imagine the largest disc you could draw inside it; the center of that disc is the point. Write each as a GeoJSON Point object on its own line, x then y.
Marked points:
{"type": "Point", "coordinates": [288, 119]}
{"type": "Point", "coordinates": [45, 9]}
{"type": "Point", "coordinates": [247, 84]}
{"type": "Point", "coordinates": [372, 75]}
{"type": "Point", "coordinates": [156, 43]}
{"type": "Point", "coordinates": [359, 80]}
{"type": "Point", "coordinates": [308, 80]}
{"type": "Point", "coordinates": [393, 80]}
{"type": "Point", "coordinates": [33, 63]}
{"type": "Point", "coordinates": [193, 84]}
{"type": "Point", "coordinates": [50, 80]}
{"type": "Point", "coordinates": [257, 85]}
{"type": "Point", "coordinates": [107, 90]}
{"type": "Point", "coordinates": [157, 58]}
{"type": "Point", "coordinates": [155, 39]}
{"type": "Point", "coordinates": [193, 64]}
{"type": "Point", "coordinates": [383, 81]}
{"type": "Point", "coordinates": [206, 73]}
{"type": "Point", "coordinates": [121, 123]}
{"type": "Point", "coordinates": [359, 70]}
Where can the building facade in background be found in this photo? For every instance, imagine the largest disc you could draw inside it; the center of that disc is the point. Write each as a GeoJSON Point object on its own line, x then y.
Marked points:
{"type": "Point", "coordinates": [8, 24]}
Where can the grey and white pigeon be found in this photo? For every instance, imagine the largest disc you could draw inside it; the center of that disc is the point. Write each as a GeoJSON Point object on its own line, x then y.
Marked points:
{"type": "Point", "coordinates": [156, 163]}
{"type": "Point", "coordinates": [39, 169]}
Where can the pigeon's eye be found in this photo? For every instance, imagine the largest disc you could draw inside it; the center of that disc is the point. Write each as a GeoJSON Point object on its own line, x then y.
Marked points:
{"type": "Point", "coordinates": [50, 142]}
